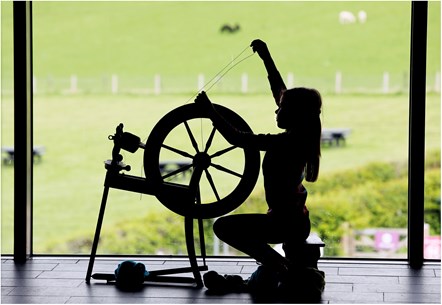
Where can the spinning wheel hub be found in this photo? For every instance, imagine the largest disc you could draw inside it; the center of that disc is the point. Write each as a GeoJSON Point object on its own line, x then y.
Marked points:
{"type": "Point", "coordinates": [202, 160]}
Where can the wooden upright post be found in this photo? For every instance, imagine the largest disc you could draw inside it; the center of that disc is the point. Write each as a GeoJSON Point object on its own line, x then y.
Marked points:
{"type": "Point", "coordinates": [416, 150]}
{"type": "Point", "coordinates": [23, 141]}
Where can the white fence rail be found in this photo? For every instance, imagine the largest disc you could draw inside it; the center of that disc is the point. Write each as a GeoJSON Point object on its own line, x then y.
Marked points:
{"type": "Point", "coordinates": [339, 83]}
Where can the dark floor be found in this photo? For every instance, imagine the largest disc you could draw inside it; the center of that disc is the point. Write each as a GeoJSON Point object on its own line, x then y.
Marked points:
{"type": "Point", "coordinates": [61, 280]}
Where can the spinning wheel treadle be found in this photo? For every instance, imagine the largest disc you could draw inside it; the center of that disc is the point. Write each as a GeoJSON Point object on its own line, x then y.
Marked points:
{"type": "Point", "coordinates": [203, 162]}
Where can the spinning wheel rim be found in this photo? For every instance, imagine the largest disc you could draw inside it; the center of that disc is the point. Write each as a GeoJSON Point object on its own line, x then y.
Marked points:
{"type": "Point", "coordinates": [184, 202]}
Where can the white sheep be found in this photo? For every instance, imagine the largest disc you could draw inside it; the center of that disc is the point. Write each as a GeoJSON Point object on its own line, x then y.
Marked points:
{"type": "Point", "coordinates": [362, 16]}
{"type": "Point", "coordinates": [346, 17]}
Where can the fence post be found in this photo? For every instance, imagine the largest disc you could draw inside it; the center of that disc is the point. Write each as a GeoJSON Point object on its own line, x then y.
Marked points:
{"type": "Point", "coordinates": [215, 244]}
{"type": "Point", "coordinates": [386, 83]}
{"type": "Point", "coordinates": [405, 82]}
{"type": "Point", "coordinates": [200, 82]}
{"type": "Point", "coordinates": [74, 84]}
{"type": "Point", "coordinates": [290, 80]}
{"type": "Point", "coordinates": [157, 84]}
{"type": "Point", "coordinates": [225, 249]}
{"type": "Point", "coordinates": [347, 240]}
{"type": "Point", "coordinates": [244, 82]}
{"type": "Point", "coordinates": [338, 82]}
{"type": "Point", "coordinates": [114, 84]}
{"type": "Point", "coordinates": [436, 83]}
{"type": "Point", "coordinates": [50, 87]}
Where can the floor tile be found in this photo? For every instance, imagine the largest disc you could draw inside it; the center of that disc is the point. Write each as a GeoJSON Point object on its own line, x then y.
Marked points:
{"type": "Point", "coordinates": [355, 279]}
{"type": "Point", "coordinates": [413, 298]}
{"type": "Point", "coordinates": [62, 275]}
{"type": "Point", "coordinates": [29, 266]}
{"type": "Point", "coordinates": [397, 288]}
{"type": "Point", "coordinates": [41, 282]}
{"type": "Point", "coordinates": [417, 280]}
{"type": "Point", "coordinates": [359, 298]}
{"type": "Point", "coordinates": [33, 300]}
{"type": "Point", "coordinates": [20, 274]}
{"type": "Point", "coordinates": [386, 272]}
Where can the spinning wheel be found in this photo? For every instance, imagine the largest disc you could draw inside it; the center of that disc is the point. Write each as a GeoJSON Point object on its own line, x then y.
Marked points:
{"type": "Point", "coordinates": [201, 196]}
{"type": "Point", "coordinates": [212, 164]}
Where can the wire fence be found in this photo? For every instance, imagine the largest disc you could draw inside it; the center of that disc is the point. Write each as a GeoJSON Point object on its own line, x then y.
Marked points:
{"type": "Point", "coordinates": [340, 83]}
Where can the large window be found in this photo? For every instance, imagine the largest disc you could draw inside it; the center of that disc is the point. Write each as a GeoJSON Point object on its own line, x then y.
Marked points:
{"type": "Point", "coordinates": [7, 128]}
{"type": "Point", "coordinates": [98, 64]}
{"type": "Point", "coordinates": [432, 246]}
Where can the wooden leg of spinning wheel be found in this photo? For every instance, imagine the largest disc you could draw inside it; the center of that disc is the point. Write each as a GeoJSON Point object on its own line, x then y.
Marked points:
{"type": "Point", "coordinates": [188, 229]}
{"type": "Point", "coordinates": [202, 241]}
{"type": "Point", "coordinates": [97, 234]}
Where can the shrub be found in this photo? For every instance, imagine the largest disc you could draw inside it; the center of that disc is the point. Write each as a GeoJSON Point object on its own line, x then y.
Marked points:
{"type": "Point", "coordinates": [374, 196]}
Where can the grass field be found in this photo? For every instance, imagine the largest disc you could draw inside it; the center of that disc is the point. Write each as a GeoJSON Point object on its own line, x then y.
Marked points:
{"type": "Point", "coordinates": [68, 183]}
{"type": "Point", "coordinates": [183, 38]}
{"type": "Point", "coordinates": [135, 39]}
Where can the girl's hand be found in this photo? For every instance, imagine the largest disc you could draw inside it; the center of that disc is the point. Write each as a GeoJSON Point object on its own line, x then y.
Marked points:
{"type": "Point", "coordinates": [203, 101]}
{"type": "Point", "coordinates": [260, 47]}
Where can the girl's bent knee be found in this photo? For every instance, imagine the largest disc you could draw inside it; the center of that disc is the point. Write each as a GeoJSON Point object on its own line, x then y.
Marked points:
{"type": "Point", "coordinates": [218, 227]}
{"type": "Point", "coordinates": [224, 228]}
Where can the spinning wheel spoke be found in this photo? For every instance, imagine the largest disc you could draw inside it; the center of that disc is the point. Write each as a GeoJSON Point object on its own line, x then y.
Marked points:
{"type": "Point", "coordinates": [192, 138]}
{"type": "Point", "coordinates": [223, 151]}
{"type": "Point", "coordinates": [176, 172]}
{"type": "Point", "coordinates": [223, 169]}
{"type": "Point", "coordinates": [209, 141]}
{"type": "Point", "coordinates": [178, 151]}
{"type": "Point", "coordinates": [218, 193]}
{"type": "Point", "coordinates": [212, 184]}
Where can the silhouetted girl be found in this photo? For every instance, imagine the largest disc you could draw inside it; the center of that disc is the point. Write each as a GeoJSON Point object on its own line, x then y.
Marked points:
{"type": "Point", "coordinates": [291, 156]}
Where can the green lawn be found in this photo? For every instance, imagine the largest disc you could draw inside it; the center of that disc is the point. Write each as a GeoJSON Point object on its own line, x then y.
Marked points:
{"type": "Point", "coordinates": [183, 38]}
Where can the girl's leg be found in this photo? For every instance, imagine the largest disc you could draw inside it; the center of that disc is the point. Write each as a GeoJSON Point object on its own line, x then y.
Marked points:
{"type": "Point", "coordinates": [251, 234]}
{"type": "Point", "coordinates": [294, 248]}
